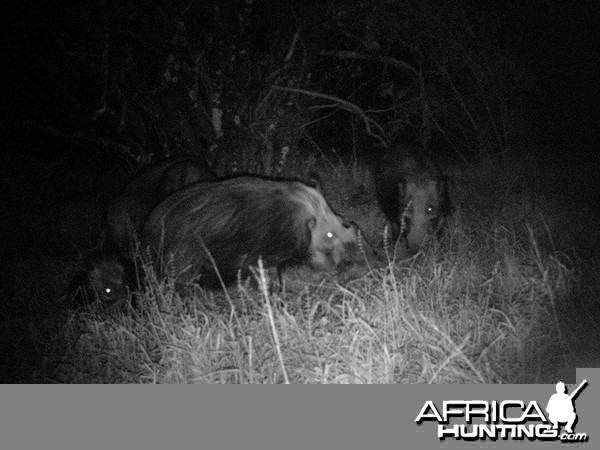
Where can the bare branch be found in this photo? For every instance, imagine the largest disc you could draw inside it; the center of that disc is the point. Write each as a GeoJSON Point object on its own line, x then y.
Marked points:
{"type": "Point", "coordinates": [400, 65]}
{"type": "Point", "coordinates": [369, 123]}
{"type": "Point", "coordinates": [290, 52]}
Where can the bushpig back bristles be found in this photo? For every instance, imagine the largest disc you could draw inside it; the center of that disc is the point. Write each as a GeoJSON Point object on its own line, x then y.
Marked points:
{"type": "Point", "coordinates": [128, 210]}
{"type": "Point", "coordinates": [231, 223]}
{"type": "Point", "coordinates": [413, 194]}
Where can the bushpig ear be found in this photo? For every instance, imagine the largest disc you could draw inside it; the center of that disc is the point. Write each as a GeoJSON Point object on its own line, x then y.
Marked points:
{"type": "Point", "coordinates": [349, 224]}
{"type": "Point", "coordinates": [314, 181]}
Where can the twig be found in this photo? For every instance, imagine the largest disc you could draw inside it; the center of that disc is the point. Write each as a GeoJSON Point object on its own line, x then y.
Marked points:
{"type": "Point", "coordinates": [290, 52]}
{"type": "Point", "coordinates": [396, 63]}
{"type": "Point", "coordinates": [369, 123]}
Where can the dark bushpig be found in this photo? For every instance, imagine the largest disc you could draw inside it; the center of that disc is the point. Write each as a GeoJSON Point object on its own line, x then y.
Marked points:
{"type": "Point", "coordinates": [413, 194]}
{"type": "Point", "coordinates": [103, 279]}
{"type": "Point", "coordinates": [127, 211]}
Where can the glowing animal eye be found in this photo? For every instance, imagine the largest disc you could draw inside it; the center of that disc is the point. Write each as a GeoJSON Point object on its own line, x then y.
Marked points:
{"type": "Point", "coordinates": [330, 235]}
{"type": "Point", "coordinates": [107, 290]}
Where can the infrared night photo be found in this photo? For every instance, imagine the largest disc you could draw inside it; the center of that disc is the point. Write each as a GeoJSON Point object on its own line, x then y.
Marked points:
{"type": "Point", "coordinates": [302, 192]}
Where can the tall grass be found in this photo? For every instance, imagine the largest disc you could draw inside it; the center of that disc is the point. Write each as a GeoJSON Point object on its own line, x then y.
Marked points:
{"type": "Point", "coordinates": [478, 307]}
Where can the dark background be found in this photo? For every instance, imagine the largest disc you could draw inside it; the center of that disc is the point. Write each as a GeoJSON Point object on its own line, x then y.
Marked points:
{"type": "Point", "coordinates": [86, 101]}
{"type": "Point", "coordinates": [56, 68]}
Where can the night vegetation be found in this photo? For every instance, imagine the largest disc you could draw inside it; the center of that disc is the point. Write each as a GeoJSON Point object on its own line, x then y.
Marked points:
{"type": "Point", "coordinates": [286, 89]}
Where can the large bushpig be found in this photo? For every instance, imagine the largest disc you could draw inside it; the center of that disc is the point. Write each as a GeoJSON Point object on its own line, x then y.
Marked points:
{"type": "Point", "coordinates": [413, 194]}
{"type": "Point", "coordinates": [227, 225]}
{"type": "Point", "coordinates": [126, 213]}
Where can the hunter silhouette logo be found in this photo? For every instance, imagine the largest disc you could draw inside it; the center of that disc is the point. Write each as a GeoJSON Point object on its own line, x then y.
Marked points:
{"type": "Point", "coordinates": [508, 419]}
{"type": "Point", "coordinates": [560, 406]}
